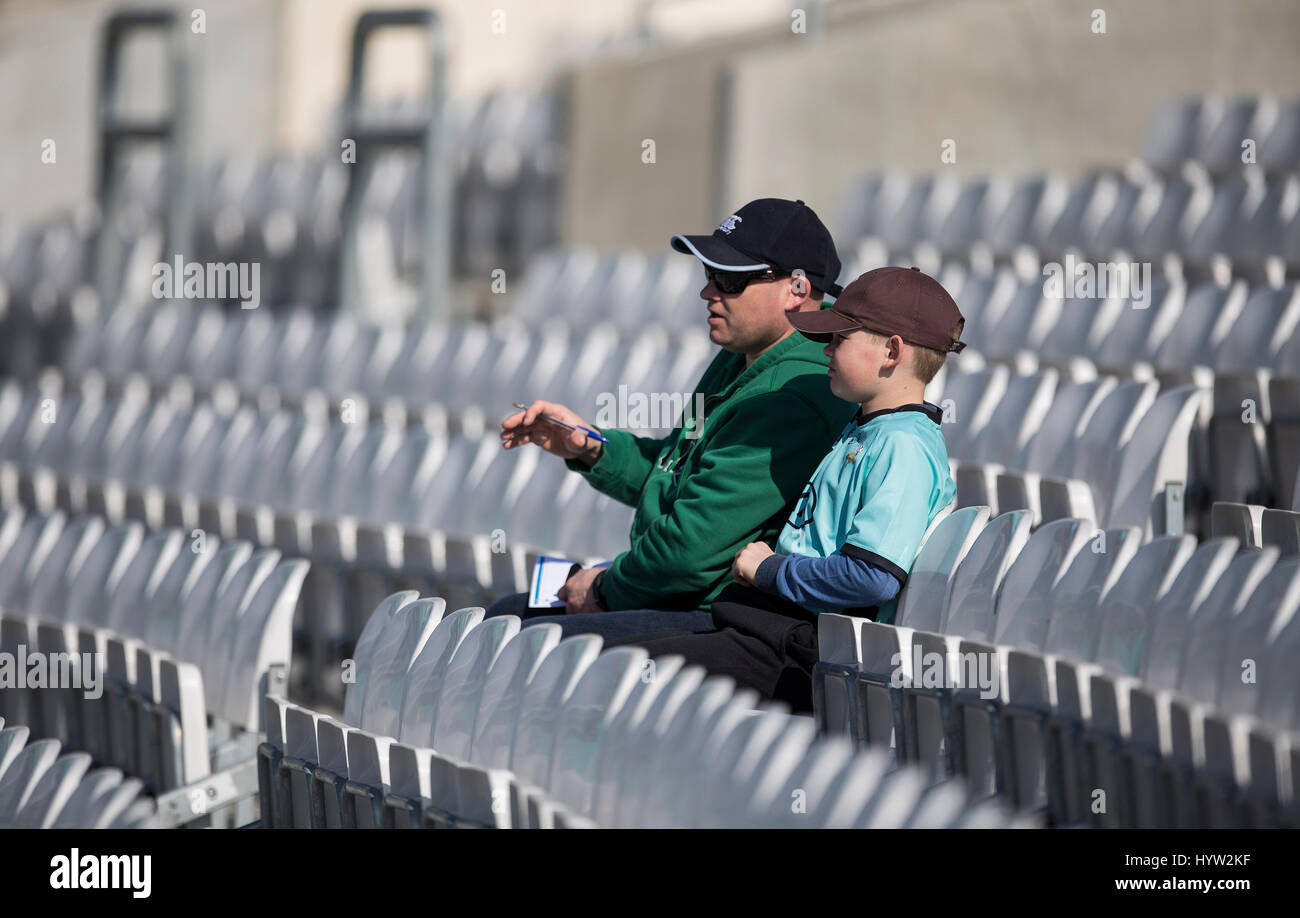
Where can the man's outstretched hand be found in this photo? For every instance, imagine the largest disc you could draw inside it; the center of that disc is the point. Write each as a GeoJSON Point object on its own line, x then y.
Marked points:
{"type": "Point", "coordinates": [528, 426]}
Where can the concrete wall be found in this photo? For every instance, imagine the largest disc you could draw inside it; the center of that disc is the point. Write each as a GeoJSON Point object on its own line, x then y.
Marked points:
{"type": "Point", "coordinates": [1020, 85]}
{"type": "Point", "coordinates": [49, 64]}
{"type": "Point", "coordinates": [269, 74]}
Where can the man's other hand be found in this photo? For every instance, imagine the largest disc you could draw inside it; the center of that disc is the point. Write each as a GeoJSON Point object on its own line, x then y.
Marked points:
{"type": "Point", "coordinates": [577, 592]}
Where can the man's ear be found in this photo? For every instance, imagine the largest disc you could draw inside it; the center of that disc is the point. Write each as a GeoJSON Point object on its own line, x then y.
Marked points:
{"type": "Point", "coordinates": [800, 295]}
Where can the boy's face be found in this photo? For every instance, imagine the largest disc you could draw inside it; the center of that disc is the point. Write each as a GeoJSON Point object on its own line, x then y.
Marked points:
{"type": "Point", "coordinates": [752, 320]}
{"type": "Point", "coordinates": [861, 363]}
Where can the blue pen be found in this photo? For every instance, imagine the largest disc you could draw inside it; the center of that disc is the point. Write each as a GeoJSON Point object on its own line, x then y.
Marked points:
{"type": "Point", "coordinates": [591, 434]}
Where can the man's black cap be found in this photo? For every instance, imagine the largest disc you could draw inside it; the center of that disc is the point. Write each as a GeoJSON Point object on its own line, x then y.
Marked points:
{"type": "Point", "coordinates": [785, 236]}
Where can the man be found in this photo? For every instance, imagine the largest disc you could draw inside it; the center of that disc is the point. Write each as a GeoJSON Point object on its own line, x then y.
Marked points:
{"type": "Point", "coordinates": [720, 481]}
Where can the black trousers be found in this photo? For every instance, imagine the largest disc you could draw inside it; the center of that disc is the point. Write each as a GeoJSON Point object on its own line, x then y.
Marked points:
{"type": "Point", "coordinates": [764, 642]}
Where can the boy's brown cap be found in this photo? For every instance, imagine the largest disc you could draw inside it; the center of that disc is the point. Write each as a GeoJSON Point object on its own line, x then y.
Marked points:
{"type": "Point", "coordinates": [891, 301]}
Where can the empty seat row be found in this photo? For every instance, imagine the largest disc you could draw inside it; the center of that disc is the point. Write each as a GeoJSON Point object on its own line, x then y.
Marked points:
{"type": "Point", "coordinates": [1245, 439]}
{"type": "Point", "coordinates": [254, 474]}
{"type": "Point", "coordinates": [1245, 226]}
{"type": "Point", "coordinates": [454, 720]}
{"type": "Point", "coordinates": [1157, 327]}
{"type": "Point", "coordinates": [1104, 450]}
{"type": "Point", "coordinates": [1211, 132]}
{"type": "Point", "coordinates": [43, 789]}
{"type": "Point", "coordinates": [170, 640]}
{"type": "Point", "coordinates": [373, 506]}
{"type": "Point", "coordinates": [1072, 661]}
{"type": "Point", "coordinates": [1257, 527]}
{"type": "Point", "coordinates": [464, 365]}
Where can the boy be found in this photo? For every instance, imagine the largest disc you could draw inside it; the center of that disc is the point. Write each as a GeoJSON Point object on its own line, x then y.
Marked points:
{"type": "Point", "coordinates": [856, 529]}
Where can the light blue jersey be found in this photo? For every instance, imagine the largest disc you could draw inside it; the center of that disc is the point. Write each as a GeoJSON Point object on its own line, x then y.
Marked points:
{"type": "Point", "coordinates": [875, 493]}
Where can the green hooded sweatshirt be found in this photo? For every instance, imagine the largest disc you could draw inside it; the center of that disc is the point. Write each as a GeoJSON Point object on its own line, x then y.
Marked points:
{"type": "Point", "coordinates": [701, 499]}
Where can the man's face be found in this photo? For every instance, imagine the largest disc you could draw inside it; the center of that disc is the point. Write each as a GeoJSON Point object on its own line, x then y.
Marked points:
{"type": "Point", "coordinates": [754, 319]}
{"type": "Point", "coordinates": [858, 361]}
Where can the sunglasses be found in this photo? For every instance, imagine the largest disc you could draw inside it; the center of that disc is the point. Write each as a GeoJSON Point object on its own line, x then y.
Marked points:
{"type": "Point", "coordinates": [734, 282]}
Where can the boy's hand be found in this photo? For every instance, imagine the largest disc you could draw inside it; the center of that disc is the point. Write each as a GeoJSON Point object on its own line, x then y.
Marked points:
{"type": "Point", "coordinates": [577, 593]}
{"type": "Point", "coordinates": [747, 560]}
{"type": "Point", "coordinates": [528, 426]}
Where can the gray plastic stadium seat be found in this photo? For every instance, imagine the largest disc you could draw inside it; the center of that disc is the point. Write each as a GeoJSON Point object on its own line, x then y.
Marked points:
{"type": "Point", "coordinates": [623, 797]}
{"type": "Point", "coordinates": [1250, 636]}
{"type": "Point", "coordinates": [1045, 577]}
{"type": "Point", "coordinates": [1280, 150]}
{"type": "Point", "coordinates": [1097, 455]}
{"type": "Point", "coordinates": [968, 402]}
{"type": "Point", "coordinates": [1238, 456]}
{"type": "Point", "coordinates": [421, 689]}
{"type": "Point", "coordinates": [1241, 521]}
{"type": "Point", "coordinates": [1010, 226]}
{"type": "Point", "coordinates": [503, 693]}
{"type": "Point", "coordinates": [1082, 591]}
{"type": "Point", "coordinates": [852, 681]}
{"type": "Point", "coordinates": [1167, 647]}
{"type": "Point", "coordinates": [1281, 529]}
{"type": "Point", "coordinates": [387, 627]}
{"type": "Point", "coordinates": [972, 595]}
{"type": "Point", "coordinates": [1156, 456]}
{"type": "Point", "coordinates": [413, 655]}
{"type": "Point", "coordinates": [1211, 630]}
{"type": "Point", "coordinates": [762, 748]}
{"type": "Point", "coordinates": [82, 806]}
{"type": "Point", "coordinates": [970, 613]}
{"type": "Point", "coordinates": [1036, 579]}
{"type": "Point", "coordinates": [1171, 134]}
{"type": "Point", "coordinates": [12, 741]}
{"type": "Point", "coordinates": [584, 723]}
{"type": "Point", "coordinates": [53, 790]}
{"type": "Point", "coordinates": [697, 735]}
{"type": "Point", "coordinates": [1049, 448]}
{"type": "Point", "coordinates": [21, 778]}
{"type": "Point", "coordinates": [628, 726]}
{"type": "Point", "coordinates": [1158, 230]}
{"type": "Point", "coordinates": [1218, 231]}
{"type": "Point", "coordinates": [1119, 639]}
{"type": "Point", "coordinates": [1192, 340]}
{"type": "Point", "coordinates": [813, 781]}
{"type": "Point", "coordinates": [463, 685]}
{"type": "Point", "coordinates": [1219, 148]}
{"type": "Point", "coordinates": [654, 777]}
{"type": "Point", "coordinates": [1016, 418]}
{"type": "Point", "coordinates": [552, 684]}
{"type": "Point", "coordinates": [1284, 439]}
{"type": "Point", "coordinates": [258, 640]}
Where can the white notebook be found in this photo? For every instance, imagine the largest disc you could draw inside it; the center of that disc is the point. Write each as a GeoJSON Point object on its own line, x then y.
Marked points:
{"type": "Point", "coordinates": [549, 574]}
